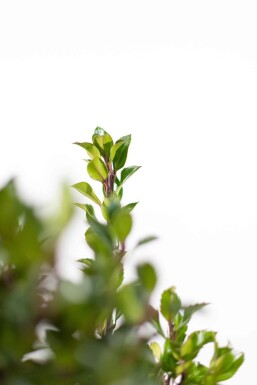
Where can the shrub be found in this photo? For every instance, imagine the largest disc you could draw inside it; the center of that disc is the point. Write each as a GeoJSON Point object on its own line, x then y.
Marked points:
{"type": "Point", "coordinates": [57, 332]}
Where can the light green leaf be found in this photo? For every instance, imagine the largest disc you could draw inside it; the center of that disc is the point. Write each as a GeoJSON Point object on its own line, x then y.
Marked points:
{"type": "Point", "coordinates": [130, 304]}
{"type": "Point", "coordinates": [226, 362]}
{"type": "Point", "coordinates": [170, 304]}
{"type": "Point", "coordinates": [97, 170]}
{"type": "Point", "coordinates": [155, 347]}
{"type": "Point", "coordinates": [85, 189]}
{"type": "Point", "coordinates": [195, 342]}
{"type": "Point", "coordinates": [115, 148]}
{"type": "Point", "coordinates": [147, 276]}
{"type": "Point", "coordinates": [92, 150]}
{"type": "Point", "coordinates": [121, 223]}
{"type": "Point", "coordinates": [130, 206]}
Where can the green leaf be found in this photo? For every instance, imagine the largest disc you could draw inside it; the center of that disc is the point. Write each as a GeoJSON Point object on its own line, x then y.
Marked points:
{"type": "Point", "coordinates": [98, 242]}
{"type": "Point", "coordinates": [170, 304]}
{"type": "Point", "coordinates": [98, 131]}
{"type": "Point", "coordinates": [121, 153]}
{"type": "Point", "coordinates": [147, 276]}
{"type": "Point", "coordinates": [97, 170]}
{"type": "Point", "coordinates": [92, 150]}
{"type": "Point", "coordinates": [115, 148]}
{"type": "Point", "coordinates": [126, 173]}
{"type": "Point", "coordinates": [226, 362]}
{"type": "Point", "coordinates": [122, 223]}
{"type": "Point", "coordinates": [85, 189]}
{"type": "Point", "coordinates": [155, 320]}
{"type": "Point", "coordinates": [109, 207]}
{"type": "Point", "coordinates": [170, 356]}
{"type": "Point", "coordinates": [146, 240]}
{"type": "Point", "coordinates": [195, 342]}
{"type": "Point", "coordinates": [155, 347]}
{"type": "Point", "coordinates": [189, 311]}
{"type": "Point", "coordinates": [103, 141]}
{"type": "Point", "coordinates": [130, 206]}
{"type": "Point", "coordinates": [130, 304]}
{"type": "Point", "coordinates": [86, 261]}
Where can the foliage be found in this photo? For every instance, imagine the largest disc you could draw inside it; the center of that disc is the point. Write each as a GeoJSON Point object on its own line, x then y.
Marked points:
{"type": "Point", "coordinates": [57, 332]}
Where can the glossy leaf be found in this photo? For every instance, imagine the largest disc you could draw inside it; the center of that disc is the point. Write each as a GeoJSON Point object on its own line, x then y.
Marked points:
{"type": "Point", "coordinates": [126, 173]}
{"type": "Point", "coordinates": [114, 149]}
{"type": "Point", "coordinates": [97, 169]}
{"type": "Point", "coordinates": [170, 304]}
{"type": "Point", "coordinates": [121, 153]}
{"type": "Point", "coordinates": [85, 189]}
{"type": "Point", "coordinates": [92, 150]}
{"type": "Point", "coordinates": [195, 342]}
{"type": "Point", "coordinates": [104, 144]}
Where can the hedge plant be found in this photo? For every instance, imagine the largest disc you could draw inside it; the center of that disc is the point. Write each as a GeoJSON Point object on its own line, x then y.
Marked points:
{"type": "Point", "coordinates": [54, 331]}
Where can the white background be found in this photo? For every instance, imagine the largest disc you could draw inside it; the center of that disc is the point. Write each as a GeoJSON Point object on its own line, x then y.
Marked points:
{"type": "Point", "coordinates": [181, 77]}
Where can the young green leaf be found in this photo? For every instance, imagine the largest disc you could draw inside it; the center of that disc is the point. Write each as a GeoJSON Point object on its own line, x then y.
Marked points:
{"type": "Point", "coordinates": [195, 342]}
{"type": "Point", "coordinates": [190, 310]}
{"type": "Point", "coordinates": [85, 189]}
{"type": "Point", "coordinates": [170, 304]}
{"type": "Point", "coordinates": [104, 144]}
{"type": "Point", "coordinates": [121, 153]}
{"type": "Point", "coordinates": [114, 149]}
{"type": "Point", "coordinates": [226, 362]}
{"type": "Point", "coordinates": [97, 170]}
{"type": "Point", "coordinates": [92, 150]}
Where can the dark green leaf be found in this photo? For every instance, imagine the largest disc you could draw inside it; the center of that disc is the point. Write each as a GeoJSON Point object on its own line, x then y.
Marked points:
{"type": "Point", "coordinates": [170, 356]}
{"type": "Point", "coordinates": [121, 153]}
{"type": "Point", "coordinates": [85, 189]}
{"type": "Point", "coordinates": [126, 173]}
